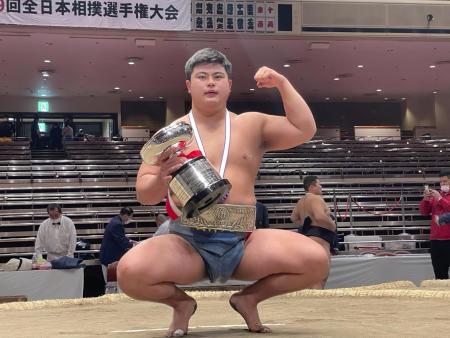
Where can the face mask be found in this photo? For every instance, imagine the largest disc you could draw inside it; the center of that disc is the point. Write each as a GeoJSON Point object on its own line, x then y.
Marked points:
{"type": "Point", "coordinates": [445, 188]}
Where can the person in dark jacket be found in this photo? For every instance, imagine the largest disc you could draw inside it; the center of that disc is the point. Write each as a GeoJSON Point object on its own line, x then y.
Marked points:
{"type": "Point", "coordinates": [115, 243]}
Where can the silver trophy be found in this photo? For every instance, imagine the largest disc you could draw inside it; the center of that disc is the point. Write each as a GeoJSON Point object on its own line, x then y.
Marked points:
{"type": "Point", "coordinates": [196, 184]}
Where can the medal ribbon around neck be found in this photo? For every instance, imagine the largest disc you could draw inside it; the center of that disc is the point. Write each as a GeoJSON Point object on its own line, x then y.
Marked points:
{"type": "Point", "coordinates": [226, 145]}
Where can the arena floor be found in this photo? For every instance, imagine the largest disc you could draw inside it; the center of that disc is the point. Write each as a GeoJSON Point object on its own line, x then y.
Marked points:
{"type": "Point", "coordinates": [398, 309]}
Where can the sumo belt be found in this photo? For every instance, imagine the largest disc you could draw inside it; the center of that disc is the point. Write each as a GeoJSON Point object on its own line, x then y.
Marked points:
{"type": "Point", "coordinates": [225, 217]}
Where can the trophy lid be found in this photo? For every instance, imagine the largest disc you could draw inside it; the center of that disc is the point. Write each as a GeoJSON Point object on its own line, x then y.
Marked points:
{"type": "Point", "coordinates": [165, 138]}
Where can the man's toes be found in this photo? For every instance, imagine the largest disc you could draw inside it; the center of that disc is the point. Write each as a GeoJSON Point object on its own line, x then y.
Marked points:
{"type": "Point", "coordinates": [262, 329]}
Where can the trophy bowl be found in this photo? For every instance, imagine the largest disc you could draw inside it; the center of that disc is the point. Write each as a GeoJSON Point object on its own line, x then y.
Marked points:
{"type": "Point", "coordinates": [165, 138]}
{"type": "Point", "coordinates": [196, 184]}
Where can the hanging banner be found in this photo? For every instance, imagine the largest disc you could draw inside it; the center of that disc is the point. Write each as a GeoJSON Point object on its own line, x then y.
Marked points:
{"type": "Point", "coordinates": [123, 14]}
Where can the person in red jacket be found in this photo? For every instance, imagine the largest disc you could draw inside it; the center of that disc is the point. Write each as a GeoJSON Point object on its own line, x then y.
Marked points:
{"type": "Point", "coordinates": [437, 203]}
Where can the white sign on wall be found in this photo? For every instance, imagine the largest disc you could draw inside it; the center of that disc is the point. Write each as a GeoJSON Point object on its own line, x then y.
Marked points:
{"type": "Point", "coordinates": [235, 16]}
{"type": "Point", "coordinates": [123, 14]}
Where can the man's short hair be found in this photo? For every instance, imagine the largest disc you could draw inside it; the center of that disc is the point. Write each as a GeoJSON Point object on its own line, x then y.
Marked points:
{"type": "Point", "coordinates": [444, 173]}
{"type": "Point", "coordinates": [308, 181]}
{"type": "Point", "coordinates": [205, 56]}
{"type": "Point", "coordinates": [53, 206]}
{"type": "Point", "coordinates": [126, 211]}
{"type": "Point", "coordinates": [161, 217]}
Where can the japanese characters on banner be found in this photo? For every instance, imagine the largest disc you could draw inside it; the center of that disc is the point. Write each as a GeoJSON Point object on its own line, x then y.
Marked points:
{"type": "Point", "coordinates": [125, 14]}
{"type": "Point", "coordinates": [236, 16]}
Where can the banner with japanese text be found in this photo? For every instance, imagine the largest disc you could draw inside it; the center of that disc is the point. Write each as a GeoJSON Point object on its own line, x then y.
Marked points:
{"type": "Point", "coordinates": [123, 14]}
{"type": "Point", "coordinates": [234, 16]}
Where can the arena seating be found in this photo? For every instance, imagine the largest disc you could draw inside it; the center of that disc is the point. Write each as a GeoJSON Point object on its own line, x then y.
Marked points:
{"type": "Point", "coordinates": [98, 178]}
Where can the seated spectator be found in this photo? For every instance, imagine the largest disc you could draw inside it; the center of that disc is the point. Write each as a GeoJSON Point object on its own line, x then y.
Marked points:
{"type": "Point", "coordinates": [115, 243]}
{"type": "Point", "coordinates": [56, 235]}
{"type": "Point", "coordinates": [262, 216]}
{"type": "Point", "coordinates": [162, 222]}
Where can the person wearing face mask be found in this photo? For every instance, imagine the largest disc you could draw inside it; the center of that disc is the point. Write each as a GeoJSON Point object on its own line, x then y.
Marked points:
{"type": "Point", "coordinates": [437, 203]}
{"type": "Point", "coordinates": [115, 244]}
{"type": "Point", "coordinates": [56, 235]}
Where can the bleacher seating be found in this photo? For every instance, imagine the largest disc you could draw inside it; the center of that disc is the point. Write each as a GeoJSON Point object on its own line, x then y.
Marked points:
{"type": "Point", "coordinates": [98, 178]}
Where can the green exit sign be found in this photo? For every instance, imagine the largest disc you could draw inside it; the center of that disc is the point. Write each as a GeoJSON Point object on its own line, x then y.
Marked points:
{"type": "Point", "coordinates": [43, 106]}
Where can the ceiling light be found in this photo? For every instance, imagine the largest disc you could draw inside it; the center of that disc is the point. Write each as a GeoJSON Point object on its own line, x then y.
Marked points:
{"type": "Point", "coordinates": [133, 60]}
{"type": "Point", "coordinates": [141, 97]}
{"type": "Point", "coordinates": [336, 79]}
{"type": "Point", "coordinates": [46, 73]}
{"type": "Point", "coordinates": [327, 98]}
{"type": "Point", "coordinates": [344, 98]}
{"type": "Point", "coordinates": [252, 89]}
{"type": "Point", "coordinates": [360, 66]}
{"type": "Point", "coordinates": [435, 92]}
{"type": "Point", "coordinates": [160, 97]}
{"type": "Point", "coordinates": [116, 88]}
{"type": "Point", "coordinates": [319, 45]}
{"type": "Point", "coordinates": [386, 98]}
{"type": "Point", "coordinates": [129, 90]}
{"type": "Point", "coordinates": [286, 65]}
{"type": "Point", "coordinates": [432, 66]}
{"type": "Point", "coordinates": [379, 90]}
{"type": "Point", "coordinates": [403, 98]}
{"type": "Point", "coordinates": [145, 42]}
{"type": "Point", "coordinates": [47, 61]}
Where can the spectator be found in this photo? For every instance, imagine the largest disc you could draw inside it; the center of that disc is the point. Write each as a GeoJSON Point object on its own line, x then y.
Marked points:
{"type": "Point", "coordinates": [162, 222]}
{"type": "Point", "coordinates": [313, 217]}
{"type": "Point", "coordinates": [35, 133]}
{"type": "Point", "coordinates": [67, 132]}
{"type": "Point", "coordinates": [56, 235]}
{"type": "Point", "coordinates": [262, 216]}
{"type": "Point", "coordinates": [115, 243]}
{"type": "Point", "coordinates": [55, 136]}
{"type": "Point", "coordinates": [437, 203]}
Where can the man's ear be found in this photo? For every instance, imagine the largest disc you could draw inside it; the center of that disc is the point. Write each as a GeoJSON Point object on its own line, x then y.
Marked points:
{"type": "Point", "coordinates": [229, 83]}
{"type": "Point", "coordinates": [188, 86]}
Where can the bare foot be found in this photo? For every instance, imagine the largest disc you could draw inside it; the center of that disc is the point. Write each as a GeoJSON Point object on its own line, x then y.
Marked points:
{"type": "Point", "coordinates": [181, 315]}
{"type": "Point", "coordinates": [249, 312]}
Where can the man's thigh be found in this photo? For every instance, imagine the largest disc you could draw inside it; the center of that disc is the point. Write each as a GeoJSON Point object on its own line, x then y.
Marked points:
{"type": "Point", "coordinates": [274, 251]}
{"type": "Point", "coordinates": [167, 258]}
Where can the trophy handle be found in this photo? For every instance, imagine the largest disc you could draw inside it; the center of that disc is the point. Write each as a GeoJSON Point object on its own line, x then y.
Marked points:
{"type": "Point", "coordinates": [177, 135]}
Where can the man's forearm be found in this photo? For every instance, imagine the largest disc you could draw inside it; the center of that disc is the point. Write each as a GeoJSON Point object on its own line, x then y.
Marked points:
{"type": "Point", "coordinates": [150, 189]}
{"type": "Point", "coordinates": [297, 110]}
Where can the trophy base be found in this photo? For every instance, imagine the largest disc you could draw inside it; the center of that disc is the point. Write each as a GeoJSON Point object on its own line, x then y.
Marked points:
{"type": "Point", "coordinates": [206, 198]}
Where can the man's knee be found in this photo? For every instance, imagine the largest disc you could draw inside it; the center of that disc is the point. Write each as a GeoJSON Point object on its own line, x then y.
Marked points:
{"type": "Point", "coordinates": [127, 276]}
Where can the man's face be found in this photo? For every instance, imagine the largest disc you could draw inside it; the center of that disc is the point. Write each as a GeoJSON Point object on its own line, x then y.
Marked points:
{"type": "Point", "coordinates": [209, 84]}
{"type": "Point", "coordinates": [125, 218]}
{"type": "Point", "coordinates": [443, 180]}
{"type": "Point", "coordinates": [54, 213]}
{"type": "Point", "coordinates": [315, 188]}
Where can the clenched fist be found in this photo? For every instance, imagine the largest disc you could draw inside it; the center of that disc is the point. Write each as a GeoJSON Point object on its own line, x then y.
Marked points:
{"type": "Point", "coordinates": [268, 78]}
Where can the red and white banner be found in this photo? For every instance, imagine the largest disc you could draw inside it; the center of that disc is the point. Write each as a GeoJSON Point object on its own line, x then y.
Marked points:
{"type": "Point", "coordinates": [122, 14]}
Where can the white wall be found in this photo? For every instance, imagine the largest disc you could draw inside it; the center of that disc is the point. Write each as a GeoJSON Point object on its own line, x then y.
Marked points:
{"type": "Point", "coordinates": [175, 109]}
{"type": "Point", "coordinates": [419, 112]}
{"type": "Point", "coordinates": [442, 113]}
{"type": "Point", "coordinates": [26, 104]}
